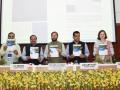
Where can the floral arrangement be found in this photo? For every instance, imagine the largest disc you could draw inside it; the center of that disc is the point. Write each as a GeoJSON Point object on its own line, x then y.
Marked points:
{"type": "Point", "coordinates": [105, 79]}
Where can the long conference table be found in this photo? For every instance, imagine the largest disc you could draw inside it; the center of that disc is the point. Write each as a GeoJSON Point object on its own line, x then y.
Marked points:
{"type": "Point", "coordinates": [56, 67]}
{"type": "Point", "coordinates": [60, 67]}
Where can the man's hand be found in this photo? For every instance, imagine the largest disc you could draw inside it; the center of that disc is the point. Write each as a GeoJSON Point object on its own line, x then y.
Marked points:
{"type": "Point", "coordinates": [59, 51]}
{"type": "Point", "coordinates": [15, 52]}
{"type": "Point", "coordinates": [28, 57]}
{"type": "Point", "coordinates": [71, 56]}
{"type": "Point", "coordinates": [4, 47]}
{"type": "Point", "coordinates": [82, 56]}
{"type": "Point", "coordinates": [48, 55]}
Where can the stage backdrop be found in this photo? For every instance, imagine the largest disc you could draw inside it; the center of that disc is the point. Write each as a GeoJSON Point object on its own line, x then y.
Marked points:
{"type": "Point", "coordinates": [41, 17]}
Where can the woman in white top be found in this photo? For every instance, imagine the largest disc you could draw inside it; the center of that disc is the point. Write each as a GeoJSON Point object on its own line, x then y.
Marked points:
{"type": "Point", "coordinates": [103, 49]}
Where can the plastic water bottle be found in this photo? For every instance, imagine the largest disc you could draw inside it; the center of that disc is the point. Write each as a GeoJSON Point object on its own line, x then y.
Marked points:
{"type": "Point", "coordinates": [76, 62]}
{"type": "Point", "coordinates": [9, 57]}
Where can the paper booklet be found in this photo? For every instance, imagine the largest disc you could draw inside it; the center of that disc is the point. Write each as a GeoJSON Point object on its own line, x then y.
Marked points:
{"type": "Point", "coordinates": [34, 52]}
{"type": "Point", "coordinates": [10, 42]}
{"type": "Point", "coordinates": [54, 51]}
{"type": "Point", "coordinates": [103, 49]}
{"type": "Point", "coordinates": [77, 49]}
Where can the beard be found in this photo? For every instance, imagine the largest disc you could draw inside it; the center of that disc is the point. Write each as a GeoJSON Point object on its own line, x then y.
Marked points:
{"type": "Point", "coordinates": [54, 39]}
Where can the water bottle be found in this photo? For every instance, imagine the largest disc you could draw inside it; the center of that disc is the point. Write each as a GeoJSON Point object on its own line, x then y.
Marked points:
{"type": "Point", "coordinates": [9, 57]}
{"type": "Point", "coordinates": [75, 61]}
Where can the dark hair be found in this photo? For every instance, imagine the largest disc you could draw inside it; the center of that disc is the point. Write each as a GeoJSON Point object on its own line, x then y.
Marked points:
{"type": "Point", "coordinates": [76, 32]}
{"type": "Point", "coordinates": [99, 34]}
{"type": "Point", "coordinates": [33, 36]}
{"type": "Point", "coordinates": [54, 32]}
{"type": "Point", "coordinates": [11, 33]}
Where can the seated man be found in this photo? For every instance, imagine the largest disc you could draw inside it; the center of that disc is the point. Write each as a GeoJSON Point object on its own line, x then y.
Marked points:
{"type": "Point", "coordinates": [10, 51]}
{"type": "Point", "coordinates": [77, 51]}
{"type": "Point", "coordinates": [55, 50]}
{"type": "Point", "coordinates": [32, 53]}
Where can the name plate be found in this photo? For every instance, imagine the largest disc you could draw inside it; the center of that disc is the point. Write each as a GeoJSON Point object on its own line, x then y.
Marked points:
{"type": "Point", "coordinates": [18, 67]}
{"type": "Point", "coordinates": [88, 65]}
{"type": "Point", "coordinates": [74, 68]}
{"type": "Point", "coordinates": [57, 66]}
{"type": "Point", "coordinates": [118, 64]}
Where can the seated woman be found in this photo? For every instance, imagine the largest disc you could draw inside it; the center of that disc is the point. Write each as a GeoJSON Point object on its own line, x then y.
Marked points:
{"type": "Point", "coordinates": [103, 49]}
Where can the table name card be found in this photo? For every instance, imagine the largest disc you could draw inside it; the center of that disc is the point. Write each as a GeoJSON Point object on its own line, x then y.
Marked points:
{"type": "Point", "coordinates": [118, 64]}
{"type": "Point", "coordinates": [18, 67]}
{"type": "Point", "coordinates": [57, 66]}
{"type": "Point", "coordinates": [74, 67]}
{"type": "Point", "coordinates": [88, 65]}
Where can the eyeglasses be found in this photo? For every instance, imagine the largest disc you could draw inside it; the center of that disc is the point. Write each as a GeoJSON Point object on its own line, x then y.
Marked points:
{"type": "Point", "coordinates": [11, 36]}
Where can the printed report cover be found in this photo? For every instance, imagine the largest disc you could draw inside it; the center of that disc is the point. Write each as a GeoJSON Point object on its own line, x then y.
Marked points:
{"type": "Point", "coordinates": [34, 52]}
{"type": "Point", "coordinates": [77, 49]}
{"type": "Point", "coordinates": [54, 51]}
{"type": "Point", "coordinates": [103, 49]}
{"type": "Point", "coordinates": [10, 42]}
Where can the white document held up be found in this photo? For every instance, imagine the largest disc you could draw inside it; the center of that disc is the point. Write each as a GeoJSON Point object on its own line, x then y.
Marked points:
{"type": "Point", "coordinates": [54, 51]}
{"type": "Point", "coordinates": [34, 52]}
{"type": "Point", "coordinates": [103, 49]}
{"type": "Point", "coordinates": [10, 42]}
{"type": "Point", "coordinates": [77, 49]}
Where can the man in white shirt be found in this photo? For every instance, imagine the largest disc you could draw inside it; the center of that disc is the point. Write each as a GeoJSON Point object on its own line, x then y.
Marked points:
{"type": "Point", "coordinates": [81, 52]}
{"type": "Point", "coordinates": [10, 51]}
{"type": "Point", "coordinates": [55, 50]}
{"type": "Point", "coordinates": [32, 53]}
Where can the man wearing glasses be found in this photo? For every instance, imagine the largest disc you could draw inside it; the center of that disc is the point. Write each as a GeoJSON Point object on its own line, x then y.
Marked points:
{"type": "Point", "coordinates": [10, 51]}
